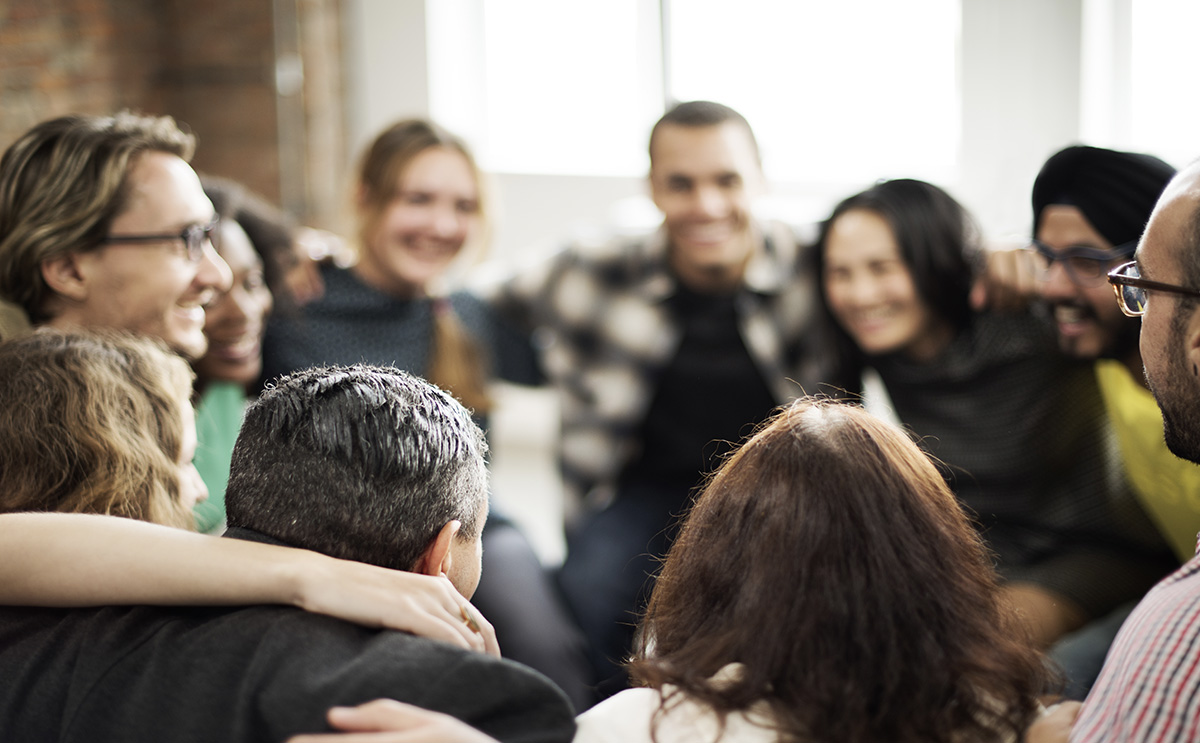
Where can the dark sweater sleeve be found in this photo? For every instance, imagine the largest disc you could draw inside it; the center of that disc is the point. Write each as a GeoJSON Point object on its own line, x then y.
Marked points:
{"type": "Point", "coordinates": [506, 700]}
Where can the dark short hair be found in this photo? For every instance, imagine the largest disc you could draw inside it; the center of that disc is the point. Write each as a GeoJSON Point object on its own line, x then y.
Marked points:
{"type": "Point", "coordinates": [938, 241]}
{"type": "Point", "coordinates": [362, 463]}
{"type": "Point", "coordinates": [697, 114]}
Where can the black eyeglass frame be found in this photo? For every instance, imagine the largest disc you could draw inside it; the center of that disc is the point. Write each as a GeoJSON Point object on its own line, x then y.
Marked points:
{"type": "Point", "coordinates": [193, 237]}
{"type": "Point", "coordinates": [1064, 256]}
{"type": "Point", "coordinates": [1120, 283]}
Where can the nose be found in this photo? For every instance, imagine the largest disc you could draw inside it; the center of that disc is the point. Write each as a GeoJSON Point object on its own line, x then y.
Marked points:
{"type": "Point", "coordinates": [1056, 282]}
{"type": "Point", "coordinates": [710, 202]}
{"type": "Point", "coordinates": [196, 491]}
{"type": "Point", "coordinates": [860, 288]}
{"type": "Point", "coordinates": [213, 272]}
{"type": "Point", "coordinates": [448, 222]}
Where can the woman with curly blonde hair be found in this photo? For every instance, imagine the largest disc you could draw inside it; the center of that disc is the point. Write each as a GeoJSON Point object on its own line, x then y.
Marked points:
{"type": "Point", "coordinates": [97, 423]}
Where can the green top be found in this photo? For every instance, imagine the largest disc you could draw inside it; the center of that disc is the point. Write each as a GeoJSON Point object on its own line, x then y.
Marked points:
{"type": "Point", "coordinates": [218, 419]}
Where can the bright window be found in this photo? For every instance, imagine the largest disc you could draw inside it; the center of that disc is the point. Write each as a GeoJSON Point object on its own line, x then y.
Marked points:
{"type": "Point", "coordinates": [838, 93]}
{"type": "Point", "coordinates": [572, 88]}
{"type": "Point", "coordinates": [1165, 107]}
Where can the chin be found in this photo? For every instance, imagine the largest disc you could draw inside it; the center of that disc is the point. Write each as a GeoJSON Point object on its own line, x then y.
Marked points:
{"type": "Point", "coordinates": [1180, 444]}
{"type": "Point", "coordinates": [188, 347]}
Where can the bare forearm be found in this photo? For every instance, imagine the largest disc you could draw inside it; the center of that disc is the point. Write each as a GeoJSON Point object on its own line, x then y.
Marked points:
{"type": "Point", "coordinates": [55, 559]}
{"type": "Point", "coordinates": [73, 560]}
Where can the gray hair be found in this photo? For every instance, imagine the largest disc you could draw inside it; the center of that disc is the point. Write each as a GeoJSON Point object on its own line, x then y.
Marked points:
{"type": "Point", "coordinates": [362, 463]}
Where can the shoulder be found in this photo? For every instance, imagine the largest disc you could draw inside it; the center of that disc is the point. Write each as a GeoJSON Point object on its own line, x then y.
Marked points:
{"type": "Point", "coordinates": [278, 669]}
{"type": "Point", "coordinates": [623, 717]}
{"type": "Point", "coordinates": [1150, 675]}
{"type": "Point", "coordinates": [618, 255]}
{"type": "Point", "coordinates": [473, 311]}
{"type": "Point", "coordinates": [503, 699]}
{"type": "Point", "coordinates": [628, 716]}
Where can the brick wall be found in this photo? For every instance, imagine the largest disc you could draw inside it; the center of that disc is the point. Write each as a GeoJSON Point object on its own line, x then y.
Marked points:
{"type": "Point", "coordinates": [211, 66]}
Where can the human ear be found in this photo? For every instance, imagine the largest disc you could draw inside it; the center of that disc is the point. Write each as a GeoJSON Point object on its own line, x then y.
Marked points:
{"type": "Point", "coordinates": [1191, 339]}
{"type": "Point", "coordinates": [436, 560]}
{"type": "Point", "coordinates": [66, 276]}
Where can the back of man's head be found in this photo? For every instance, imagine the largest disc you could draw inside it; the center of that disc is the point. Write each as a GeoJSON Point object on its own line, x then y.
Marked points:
{"type": "Point", "coordinates": [362, 463]}
{"type": "Point", "coordinates": [696, 114]}
{"type": "Point", "coordinates": [61, 185]}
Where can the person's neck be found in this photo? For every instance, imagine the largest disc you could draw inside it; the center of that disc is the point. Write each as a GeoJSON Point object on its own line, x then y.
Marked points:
{"type": "Point", "coordinates": [64, 320]}
{"type": "Point", "coordinates": [933, 342]}
{"type": "Point", "coordinates": [382, 282]}
{"type": "Point", "coordinates": [710, 279]}
{"type": "Point", "coordinates": [716, 280]}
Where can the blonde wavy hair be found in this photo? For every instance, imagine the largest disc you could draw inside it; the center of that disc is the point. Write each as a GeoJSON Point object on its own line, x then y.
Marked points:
{"type": "Point", "coordinates": [62, 184]}
{"type": "Point", "coordinates": [93, 423]}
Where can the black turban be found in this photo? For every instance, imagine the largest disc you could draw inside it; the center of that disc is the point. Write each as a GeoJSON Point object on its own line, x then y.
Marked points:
{"type": "Point", "coordinates": [1116, 191]}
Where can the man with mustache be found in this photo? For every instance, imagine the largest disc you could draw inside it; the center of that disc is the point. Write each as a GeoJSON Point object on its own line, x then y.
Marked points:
{"type": "Point", "coordinates": [1151, 679]}
{"type": "Point", "coordinates": [1090, 206]}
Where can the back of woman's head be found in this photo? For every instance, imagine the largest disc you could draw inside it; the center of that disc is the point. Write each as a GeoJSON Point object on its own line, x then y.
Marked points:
{"type": "Point", "coordinates": [937, 237]}
{"type": "Point", "coordinates": [829, 558]}
{"type": "Point", "coordinates": [92, 423]}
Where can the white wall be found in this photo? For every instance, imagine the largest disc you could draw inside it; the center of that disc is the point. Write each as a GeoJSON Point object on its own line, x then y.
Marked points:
{"type": "Point", "coordinates": [1021, 101]}
{"type": "Point", "coordinates": [1020, 67]}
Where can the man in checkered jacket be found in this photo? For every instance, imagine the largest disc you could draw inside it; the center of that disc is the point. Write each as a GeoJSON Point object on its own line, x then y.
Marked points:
{"type": "Point", "coordinates": [666, 349]}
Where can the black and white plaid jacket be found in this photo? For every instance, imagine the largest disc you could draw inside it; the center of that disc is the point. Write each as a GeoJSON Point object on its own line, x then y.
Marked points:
{"type": "Point", "coordinates": [599, 318]}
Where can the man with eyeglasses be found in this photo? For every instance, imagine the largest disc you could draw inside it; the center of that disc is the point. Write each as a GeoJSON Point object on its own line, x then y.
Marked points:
{"type": "Point", "coordinates": [1150, 684]}
{"type": "Point", "coordinates": [1090, 206]}
{"type": "Point", "coordinates": [103, 223]}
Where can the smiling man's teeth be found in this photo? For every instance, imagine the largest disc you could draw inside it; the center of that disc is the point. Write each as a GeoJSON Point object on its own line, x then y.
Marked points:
{"type": "Point", "coordinates": [194, 312]}
{"type": "Point", "coordinates": [1065, 313]}
{"type": "Point", "coordinates": [708, 234]}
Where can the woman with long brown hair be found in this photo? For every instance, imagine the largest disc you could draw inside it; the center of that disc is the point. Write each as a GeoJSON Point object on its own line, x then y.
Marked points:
{"type": "Point", "coordinates": [826, 586]}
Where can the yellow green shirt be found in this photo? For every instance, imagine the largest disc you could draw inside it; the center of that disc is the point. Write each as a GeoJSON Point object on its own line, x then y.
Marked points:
{"type": "Point", "coordinates": [1167, 486]}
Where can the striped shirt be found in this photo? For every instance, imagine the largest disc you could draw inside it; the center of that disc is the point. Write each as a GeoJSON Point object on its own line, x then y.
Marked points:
{"type": "Point", "coordinates": [1149, 689]}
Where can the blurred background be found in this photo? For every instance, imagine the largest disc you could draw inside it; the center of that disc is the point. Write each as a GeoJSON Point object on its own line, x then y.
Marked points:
{"type": "Point", "coordinates": [557, 98]}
